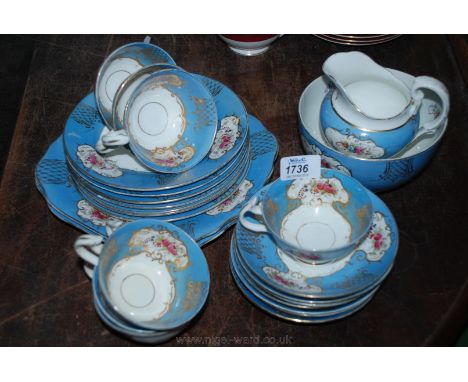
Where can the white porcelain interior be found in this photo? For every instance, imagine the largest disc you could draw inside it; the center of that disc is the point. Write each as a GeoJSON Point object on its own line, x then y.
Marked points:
{"type": "Point", "coordinates": [310, 103]}
{"type": "Point", "coordinates": [124, 97]}
{"type": "Point", "coordinates": [156, 118]}
{"type": "Point", "coordinates": [316, 227]}
{"type": "Point", "coordinates": [140, 288]}
{"type": "Point", "coordinates": [111, 78]}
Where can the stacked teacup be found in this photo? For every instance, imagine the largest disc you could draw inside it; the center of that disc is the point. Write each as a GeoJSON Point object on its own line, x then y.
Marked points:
{"type": "Point", "coordinates": [379, 125]}
{"type": "Point", "coordinates": [313, 250]}
{"type": "Point", "coordinates": [149, 279]}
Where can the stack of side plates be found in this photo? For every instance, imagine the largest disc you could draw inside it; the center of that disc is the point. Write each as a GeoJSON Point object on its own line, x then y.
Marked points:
{"type": "Point", "coordinates": [305, 293]}
{"type": "Point", "coordinates": [357, 39]}
{"type": "Point", "coordinates": [94, 192]}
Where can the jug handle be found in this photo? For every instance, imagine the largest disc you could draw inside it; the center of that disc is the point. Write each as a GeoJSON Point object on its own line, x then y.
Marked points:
{"type": "Point", "coordinates": [425, 82]}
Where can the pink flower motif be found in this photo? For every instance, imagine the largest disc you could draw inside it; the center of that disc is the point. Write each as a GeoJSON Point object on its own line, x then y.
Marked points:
{"type": "Point", "coordinates": [281, 280]}
{"type": "Point", "coordinates": [378, 244]}
{"type": "Point", "coordinates": [170, 247]}
{"type": "Point", "coordinates": [166, 161]}
{"type": "Point", "coordinates": [99, 215]}
{"type": "Point", "coordinates": [226, 141]}
{"type": "Point", "coordinates": [358, 150]}
{"type": "Point", "coordinates": [329, 188]}
{"type": "Point", "coordinates": [93, 159]}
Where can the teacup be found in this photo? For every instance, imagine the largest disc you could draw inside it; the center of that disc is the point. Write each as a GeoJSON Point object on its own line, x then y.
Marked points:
{"type": "Point", "coordinates": [370, 113]}
{"type": "Point", "coordinates": [150, 272]}
{"type": "Point", "coordinates": [170, 122]}
{"type": "Point", "coordinates": [120, 64]}
{"type": "Point", "coordinates": [315, 220]}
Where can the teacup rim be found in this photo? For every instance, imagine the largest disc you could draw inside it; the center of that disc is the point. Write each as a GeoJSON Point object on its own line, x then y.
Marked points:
{"type": "Point", "coordinates": [353, 244]}
{"type": "Point", "coordinates": [186, 240]}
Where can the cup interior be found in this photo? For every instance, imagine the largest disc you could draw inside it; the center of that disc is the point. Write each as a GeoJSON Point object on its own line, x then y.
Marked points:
{"type": "Point", "coordinates": [324, 214]}
{"type": "Point", "coordinates": [153, 274]}
{"type": "Point", "coordinates": [164, 117]}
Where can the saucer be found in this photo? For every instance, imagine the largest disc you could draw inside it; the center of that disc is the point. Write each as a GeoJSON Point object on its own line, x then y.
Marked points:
{"type": "Point", "coordinates": [54, 182]}
{"type": "Point", "coordinates": [84, 128]}
{"type": "Point", "coordinates": [286, 316]}
{"type": "Point", "coordinates": [171, 121]}
{"type": "Point", "coordinates": [291, 308]}
{"type": "Point", "coordinates": [194, 187]}
{"type": "Point", "coordinates": [142, 198]}
{"type": "Point", "coordinates": [172, 215]}
{"type": "Point", "coordinates": [168, 204]}
{"type": "Point", "coordinates": [362, 267]}
{"type": "Point", "coordinates": [298, 301]}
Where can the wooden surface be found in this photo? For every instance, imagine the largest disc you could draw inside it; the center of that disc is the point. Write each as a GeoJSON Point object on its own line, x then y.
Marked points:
{"type": "Point", "coordinates": [45, 298]}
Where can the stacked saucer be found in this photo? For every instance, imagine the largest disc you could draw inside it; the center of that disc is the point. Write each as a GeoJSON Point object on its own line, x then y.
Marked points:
{"type": "Point", "coordinates": [294, 290]}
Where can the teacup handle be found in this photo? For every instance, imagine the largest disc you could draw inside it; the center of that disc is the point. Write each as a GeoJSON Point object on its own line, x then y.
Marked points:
{"type": "Point", "coordinates": [254, 207]}
{"type": "Point", "coordinates": [88, 270]}
{"type": "Point", "coordinates": [88, 247]}
{"type": "Point", "coordinates": [425, 82]}
{"type": "Point", "coordinates": [115, 138]}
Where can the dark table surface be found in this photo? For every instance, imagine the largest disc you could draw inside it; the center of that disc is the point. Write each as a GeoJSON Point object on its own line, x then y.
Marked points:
{"type": "Point", "coordinates": [45, 298]}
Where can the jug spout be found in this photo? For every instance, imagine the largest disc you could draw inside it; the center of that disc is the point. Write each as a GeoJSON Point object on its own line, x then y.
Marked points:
{"type": "Point", "coordinates": [368, 87]}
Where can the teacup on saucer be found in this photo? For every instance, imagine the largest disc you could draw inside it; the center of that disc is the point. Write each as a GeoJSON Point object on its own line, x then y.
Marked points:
{"type": "Point", "coordinates": [361, 268]}
{"type": "Point", "coordinates": [313, 220]}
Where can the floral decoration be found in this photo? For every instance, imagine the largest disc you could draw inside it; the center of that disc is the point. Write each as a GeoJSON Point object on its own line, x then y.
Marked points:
{"type": "Point", "coordinates": [325, 160]}
{"type": "Point", "coordinates": [97, 217]}
{"type": "Point", "coordinates": [234, 200]}
{"type": "Point", "coordinates": [350, 144]}
{"type": "Point", "coordinates": [161, 246]}
{"type": "Point", "coordinates": [378, 240]}
{"type": "Point", "coordinates": [167, 157]}
{"type": "Point", "coordinates": [226, 137]}
{"type": "Point", "coordinates": [322, 190]}
{"type": "Point", "coordinates": [290, 279]}
{"type": "Point", "coordinates": [92, 160]}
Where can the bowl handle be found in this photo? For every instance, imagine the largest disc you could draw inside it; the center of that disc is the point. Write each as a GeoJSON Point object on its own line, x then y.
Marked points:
{"type": "Point", "coordinates": [425, 82]}
{"type": "Point", "coordinates": [254, 207]}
